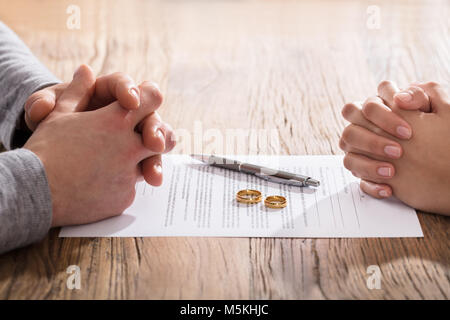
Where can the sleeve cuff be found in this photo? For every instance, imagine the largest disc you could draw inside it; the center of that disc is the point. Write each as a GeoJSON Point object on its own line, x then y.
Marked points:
{"type": "Point", "coordinates": [25, 199]}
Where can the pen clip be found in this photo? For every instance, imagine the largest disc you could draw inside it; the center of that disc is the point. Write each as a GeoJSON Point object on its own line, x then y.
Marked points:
{"type": "Point", "coordinates": [276, 179]}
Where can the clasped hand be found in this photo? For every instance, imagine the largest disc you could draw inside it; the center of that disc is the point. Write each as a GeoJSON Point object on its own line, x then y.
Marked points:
{"type": "Point", "coordinates": [96, 138]}
{"type": "Point", "coordinates": [399, 143]}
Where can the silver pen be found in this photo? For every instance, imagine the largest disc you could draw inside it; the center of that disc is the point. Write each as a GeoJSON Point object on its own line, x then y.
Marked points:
{"type": "Point", "coordinates": [268, 174]}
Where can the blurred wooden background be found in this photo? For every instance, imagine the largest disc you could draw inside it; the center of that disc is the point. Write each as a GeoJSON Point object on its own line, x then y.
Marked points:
{"type": "Point", "coordinates": [283, 65]}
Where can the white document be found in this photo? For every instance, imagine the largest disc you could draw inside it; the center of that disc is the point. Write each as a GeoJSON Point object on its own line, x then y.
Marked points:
{"type": "Point", "coordinates": [200, 200]}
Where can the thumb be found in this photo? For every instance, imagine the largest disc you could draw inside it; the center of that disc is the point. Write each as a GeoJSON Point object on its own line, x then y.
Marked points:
{"type": "Point", "coordinates": [413, 98]}
{"type": "Point", "coordinates": [439, 99]}
{"type": "Point", "coordinates": [38, 106]}
{"type": "Point", "coordinates": [77, 95]}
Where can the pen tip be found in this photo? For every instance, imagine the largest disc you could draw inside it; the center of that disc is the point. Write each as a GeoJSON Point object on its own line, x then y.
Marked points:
{"type": "Point", "coordinates": [312, 183]}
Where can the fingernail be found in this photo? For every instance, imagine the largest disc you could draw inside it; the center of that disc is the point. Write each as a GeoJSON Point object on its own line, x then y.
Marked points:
{"type": "Point", "coordinates": [404, 96]}
{"type": "Point", "coordinates": [404, 132]}
{"type": "Point", "coordinates": [384, 171]}
{"type": "Point", "coordinates": [392, 151]}
{"type": "Point", "coordinates": [160, 135]}
{"type": "Point", "coordinates": [158, 168]}
{"type": "Point", "coordinates": [383, 193]}
{"type": "Point", "coordinates": [135, 93]}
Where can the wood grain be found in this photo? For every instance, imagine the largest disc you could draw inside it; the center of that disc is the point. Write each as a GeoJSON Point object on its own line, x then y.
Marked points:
{"type": "Point", "coordinates": [282, 65]}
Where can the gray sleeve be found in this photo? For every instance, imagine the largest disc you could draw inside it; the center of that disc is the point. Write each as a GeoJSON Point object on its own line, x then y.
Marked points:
{"type": "Point", "coordinates": [21, 74]}
{"type": "Point", "coordinates": [25, 198]}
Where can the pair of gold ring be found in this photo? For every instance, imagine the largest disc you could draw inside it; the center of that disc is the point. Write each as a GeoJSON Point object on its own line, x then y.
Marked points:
{"type": "Point", "coordinates": [250, 196]}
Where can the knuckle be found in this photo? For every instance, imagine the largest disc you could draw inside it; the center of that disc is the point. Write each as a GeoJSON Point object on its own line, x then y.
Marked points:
{"type": "Point", "coordinates": [118, 74]}
{"type": "Point", "coordinates": [88, 75]}
{"type": "Point", "coordinates": [122, 78]}
{"type": "Point", "coordinates": [348, 110]}
{"type": "Point", "coordinates": [432, 84]}
{"type": "Point", "coordinates": [348, 161]}
{"type": "Point", "coordinates": [369, 108]}
{"type": "Point", "coordinates": [156, 95]}
{"type": "Point", "coordinates": [347, 134]}
{"type": "Point", "coordinates": [125, 79]}
{"type": "Point", "coordinates": [385, 83]}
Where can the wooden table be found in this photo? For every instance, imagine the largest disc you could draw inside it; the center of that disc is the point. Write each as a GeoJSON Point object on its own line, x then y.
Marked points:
{"type": "Point", "coordinates": [287, 65]}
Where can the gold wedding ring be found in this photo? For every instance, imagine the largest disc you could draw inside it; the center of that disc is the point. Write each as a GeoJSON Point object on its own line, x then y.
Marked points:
{"type": "Point", "coordinates": [249, 196]}
{"type": "Point", "coordinates": [275, 202]}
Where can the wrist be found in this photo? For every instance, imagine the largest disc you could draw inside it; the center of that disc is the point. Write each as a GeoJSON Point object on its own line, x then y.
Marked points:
{"type": "Point", "coordinates": [38, 149]}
